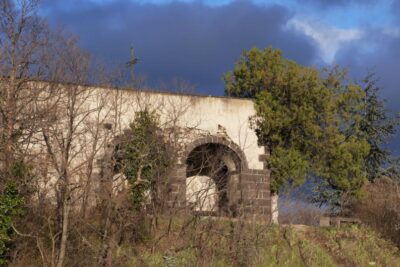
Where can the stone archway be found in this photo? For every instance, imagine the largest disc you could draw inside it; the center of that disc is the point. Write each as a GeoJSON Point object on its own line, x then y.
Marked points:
{"type": "Point", "coordinates": [213, 180]}
{"type": "Point", "coordinates": [216, 163]}
{"type": "Point", "coordinates": [216, 140]}
{"type": "Point", "coordinates": [252, 190]}
{"type": "Point", "coordinates": [237, 189]}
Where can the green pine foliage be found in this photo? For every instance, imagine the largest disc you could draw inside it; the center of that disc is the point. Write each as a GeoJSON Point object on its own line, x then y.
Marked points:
{"type": "Point", "coordinates": [378, 125]}
{"type": "Point", "coordinates": [309, 120]}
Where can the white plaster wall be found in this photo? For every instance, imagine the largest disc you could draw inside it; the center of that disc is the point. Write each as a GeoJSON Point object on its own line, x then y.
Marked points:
{"type": "Point", "coordinates": [99, 106]}
{"type": "Point", "coordinates": [199, 112]}
{"type": "Point", "coordinates": [201, 193]}
{"type": "Point", "coordinates": [233, 115]}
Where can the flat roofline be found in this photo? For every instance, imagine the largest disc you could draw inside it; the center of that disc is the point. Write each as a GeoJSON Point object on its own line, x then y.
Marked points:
{"type": "Point", "coordinates": [165, 92]}
{"type": "Point", "coordinates": [141, 90]}
{"type": "Point", "coordinates": [154, 91]}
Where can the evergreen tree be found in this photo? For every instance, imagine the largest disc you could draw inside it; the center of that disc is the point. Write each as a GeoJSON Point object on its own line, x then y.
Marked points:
{"type": "Point", "coordinates": [309, 122]}
{"type": "Point", "coordinates": [378, 126]}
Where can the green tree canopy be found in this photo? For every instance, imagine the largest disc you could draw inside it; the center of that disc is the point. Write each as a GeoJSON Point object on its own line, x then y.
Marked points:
{"type": "Point", "coordinates": [307, 119]}
{"type": "Point", "coordinates": [144, 156]}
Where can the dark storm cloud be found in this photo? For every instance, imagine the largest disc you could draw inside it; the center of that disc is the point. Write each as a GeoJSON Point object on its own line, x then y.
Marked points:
{"type": "Point", "coordinates": [381, 55]}
{"type": "Point", "coordinates": [192, 41]}
{"type": "Point", "coordinates": [199, 43]}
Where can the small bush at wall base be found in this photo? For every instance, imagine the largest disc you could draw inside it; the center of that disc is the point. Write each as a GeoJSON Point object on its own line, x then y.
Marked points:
{"type": "Point", "coordinates": [10, 206]}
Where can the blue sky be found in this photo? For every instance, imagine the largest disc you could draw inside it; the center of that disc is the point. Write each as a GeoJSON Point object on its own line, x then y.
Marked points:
{"type": "Point", "coordinates": [199, 40]}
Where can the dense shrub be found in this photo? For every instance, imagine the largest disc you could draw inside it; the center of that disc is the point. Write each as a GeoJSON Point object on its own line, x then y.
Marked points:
{"type": "Point", "coordinates": [10, 206]}
{"type": "Point", "coordinates": [381, 208]}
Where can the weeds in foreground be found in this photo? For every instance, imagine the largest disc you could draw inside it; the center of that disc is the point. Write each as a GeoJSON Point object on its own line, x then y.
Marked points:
{"type": "Point", "coordinates": [217, 243]}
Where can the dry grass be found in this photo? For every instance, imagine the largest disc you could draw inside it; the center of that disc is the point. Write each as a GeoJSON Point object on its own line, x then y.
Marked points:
{"type": "Point", "coordinates": [380, 208]}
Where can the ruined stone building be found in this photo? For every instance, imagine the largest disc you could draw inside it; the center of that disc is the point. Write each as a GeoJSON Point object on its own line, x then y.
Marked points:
{"type": "Point", "coordinates": [210, 132]}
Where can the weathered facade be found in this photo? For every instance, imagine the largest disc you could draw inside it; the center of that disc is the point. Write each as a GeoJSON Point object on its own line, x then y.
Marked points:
{"type": "Point", "coordinates": [215, 141]}
{"type": "Point", "coordinates": [222, 125]}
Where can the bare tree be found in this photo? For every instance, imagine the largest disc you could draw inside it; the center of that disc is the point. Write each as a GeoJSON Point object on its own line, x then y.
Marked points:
{"type": "Point", "coordinates": [63, 127]}
{"type": "Point", "coordinates": [72, 135]}
{"type": "Point", "coordinates": [23, 37]}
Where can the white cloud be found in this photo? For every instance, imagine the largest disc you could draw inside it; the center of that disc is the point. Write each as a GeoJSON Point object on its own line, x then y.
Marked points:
{"type": "Point", "coordinates": [328, 38]}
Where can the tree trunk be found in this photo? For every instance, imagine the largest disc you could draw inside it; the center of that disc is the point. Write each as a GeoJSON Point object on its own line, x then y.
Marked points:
{"type": "Point", "coordinates": [64, 234]}
{"type": "Point", "coordinates": [274, 208]}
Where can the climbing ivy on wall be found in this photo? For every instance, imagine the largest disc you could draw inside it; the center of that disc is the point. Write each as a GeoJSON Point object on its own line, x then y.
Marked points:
{"type": "Point", "coordinates": [145, 156]}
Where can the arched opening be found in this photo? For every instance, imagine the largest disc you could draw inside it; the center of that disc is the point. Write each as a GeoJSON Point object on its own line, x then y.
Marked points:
{"type": "Point", "coordinates": [212, 180]}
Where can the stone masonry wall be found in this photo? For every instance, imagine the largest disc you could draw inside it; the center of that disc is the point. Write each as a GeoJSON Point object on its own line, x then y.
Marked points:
{"type": "Point", "coordinates": [254, 184]}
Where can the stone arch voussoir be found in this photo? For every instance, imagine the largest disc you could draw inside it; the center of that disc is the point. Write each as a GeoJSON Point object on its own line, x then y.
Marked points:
{"type": "Point", "coordinates": [216, 140]}
{"type": "Point", "coordinates": [234, 199]}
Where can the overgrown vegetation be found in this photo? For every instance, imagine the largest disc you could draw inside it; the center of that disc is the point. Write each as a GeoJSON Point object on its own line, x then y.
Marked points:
{"type": "Point", "coordinates": [315, 124]}
{"type": "Point", "coordinates": [11, 206]}
{"type": "Point", "coordinates": [380, 208]}
{"type": "Point", "coordinates": [308, 120]}
{"type": "Point", "coordinates": [206, 242]}
{"type": "Point", "coordinates": [144, 157]}
{"type": "Point", "coordinates": [97, 194]}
